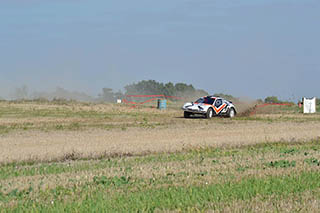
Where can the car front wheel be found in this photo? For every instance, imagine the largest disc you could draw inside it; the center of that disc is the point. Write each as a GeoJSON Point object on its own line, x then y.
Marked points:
{"type": "Point", "coordinates": [209, 113]}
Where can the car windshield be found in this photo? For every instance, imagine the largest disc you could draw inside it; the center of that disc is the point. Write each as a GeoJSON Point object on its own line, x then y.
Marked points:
{"type": "Point", "coordinates": [205, 100]}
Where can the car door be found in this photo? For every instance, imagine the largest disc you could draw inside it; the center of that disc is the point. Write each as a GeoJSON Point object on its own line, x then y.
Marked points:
{"type": "Point", "coordinates": [218, 105]}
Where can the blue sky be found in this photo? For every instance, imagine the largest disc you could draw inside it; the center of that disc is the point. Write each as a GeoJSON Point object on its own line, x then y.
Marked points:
{"type": "Point", "coordinates": [247, 48]}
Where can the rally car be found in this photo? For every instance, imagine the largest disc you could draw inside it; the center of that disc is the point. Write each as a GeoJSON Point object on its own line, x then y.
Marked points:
{"type": "Point", "coordinates": [210, 106]}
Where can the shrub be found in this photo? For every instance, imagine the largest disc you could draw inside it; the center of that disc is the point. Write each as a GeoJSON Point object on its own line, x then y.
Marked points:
{"type": "Point", "coordinates": [272, 100]}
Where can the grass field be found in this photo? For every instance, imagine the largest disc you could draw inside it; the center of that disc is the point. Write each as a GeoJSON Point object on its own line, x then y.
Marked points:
{"type": "Point", "coordinates": [79, 157]}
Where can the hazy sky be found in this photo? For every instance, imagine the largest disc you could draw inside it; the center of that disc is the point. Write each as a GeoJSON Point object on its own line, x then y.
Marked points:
{"type": "Point", "coordinates": [252, 48]}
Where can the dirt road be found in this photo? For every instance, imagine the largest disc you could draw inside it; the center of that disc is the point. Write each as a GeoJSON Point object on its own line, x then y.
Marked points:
{"type": "Point", "coordinates": [39, 145]}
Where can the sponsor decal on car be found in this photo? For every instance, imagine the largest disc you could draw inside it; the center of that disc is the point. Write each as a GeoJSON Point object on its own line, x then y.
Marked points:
{"type": "Point", "coordinates": [219, 109]}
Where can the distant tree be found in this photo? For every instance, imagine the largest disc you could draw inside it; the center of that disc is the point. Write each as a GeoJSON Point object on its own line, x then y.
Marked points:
{"type": "Point", "coordinates": [318, 101]}
{"type": "Point", "coordinates": [107, 95]}
{"type": "Point", "coordinates": [149, 87]}
{"type": "Point", "coordinates": [152, 87]}
{"type": "Point", "coordinates": [21, 93]}
{"type": "Point", "coordinates": [184, 90]}
{"type": "Point", "coordinates": [170, 89]}
{"type": "Point", "coordinates": [272, 100]}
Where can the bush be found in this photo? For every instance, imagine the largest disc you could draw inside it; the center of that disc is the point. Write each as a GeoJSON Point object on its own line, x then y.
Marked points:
{"type": "Point", "coordinates": [152, 87]}
{"type": "Point", "coordinates": [272, 100]}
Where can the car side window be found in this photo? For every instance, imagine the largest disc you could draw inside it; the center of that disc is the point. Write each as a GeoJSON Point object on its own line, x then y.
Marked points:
{"type": "Point", "coordinates": [210, 101]}
{"type": "Point", "coordinates": [218, 103]}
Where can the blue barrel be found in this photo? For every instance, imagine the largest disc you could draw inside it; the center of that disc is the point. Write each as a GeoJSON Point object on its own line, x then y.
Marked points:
{"type": "Point", "coordinates": [162, 104]}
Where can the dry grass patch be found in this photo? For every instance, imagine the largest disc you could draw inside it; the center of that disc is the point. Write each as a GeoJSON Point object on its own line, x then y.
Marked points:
{"type": "Point", "coordinates": [196, 168]}
{"type": "Point", "coordinates": [48, 146]}
{"type": "Point", "coordinates": [306, 202]}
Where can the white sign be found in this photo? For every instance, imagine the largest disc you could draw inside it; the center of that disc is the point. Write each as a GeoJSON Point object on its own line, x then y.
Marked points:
{"type": "Point", "coordinates": [309, 105]}
{"type": "Point", "coordinates": [119, 101]}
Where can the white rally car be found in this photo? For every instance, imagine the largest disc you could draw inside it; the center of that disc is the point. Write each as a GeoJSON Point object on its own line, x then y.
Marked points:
{"type": "Point", "coordinates": [210, 106]}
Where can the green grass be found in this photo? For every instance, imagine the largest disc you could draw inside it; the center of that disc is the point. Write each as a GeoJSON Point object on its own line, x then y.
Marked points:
{"type": "Point", "coordinates": [195, 179]}
{"type": "Point", "coordinates": [116, 184]}
{"type": "Point", "coordinates": [58, 112]}
{"type": "Point", "coordinates": [281, 164]}
{"type": "Point", "coordinates": [76, 118]}
{"type": "Point", "coordinates": [312, 161]}
{"type": "Point", "coordinates": [31, 168]}
{"type": "Point", "coordinates": [164, 198]}
{"type": "Point", "coordinates": [115, 118]}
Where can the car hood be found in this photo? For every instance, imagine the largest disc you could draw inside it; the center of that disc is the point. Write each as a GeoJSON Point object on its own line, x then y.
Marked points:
{"type": "Point", "coordinates": [194, 106]}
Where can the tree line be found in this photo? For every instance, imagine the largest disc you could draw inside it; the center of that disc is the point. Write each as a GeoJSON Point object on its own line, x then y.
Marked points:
{"type": "Point", "coordinates": [144, 87]}
{"type": "Point", "coordinates": [152, 87]}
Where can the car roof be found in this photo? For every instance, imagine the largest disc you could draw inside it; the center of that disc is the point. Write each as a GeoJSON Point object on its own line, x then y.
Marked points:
{"type": "Point", "coordinates": [211, 96]}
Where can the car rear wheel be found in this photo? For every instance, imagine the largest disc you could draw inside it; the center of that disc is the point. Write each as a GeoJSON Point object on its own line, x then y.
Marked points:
{"type": "Point", "coordinates": [187, 114]}
{"type": "Point", "coordinates": [209, 113]}
{"type": "Point", "coordinates": [231, 113]}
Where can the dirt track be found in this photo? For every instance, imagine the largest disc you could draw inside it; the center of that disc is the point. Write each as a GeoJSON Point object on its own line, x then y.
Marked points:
{"type": "Point", "coordinates": [37, 145]}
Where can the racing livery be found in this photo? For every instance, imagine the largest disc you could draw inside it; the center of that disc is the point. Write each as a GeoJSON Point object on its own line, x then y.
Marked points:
{"type": "Point", "coordinates": [210, 106]}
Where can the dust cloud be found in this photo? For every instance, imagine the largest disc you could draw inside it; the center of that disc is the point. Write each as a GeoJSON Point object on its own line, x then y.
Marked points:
{"type": "Point", "coordinates": [245, 106]}
{"type": "Point", "coordinates": [23, 93]}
